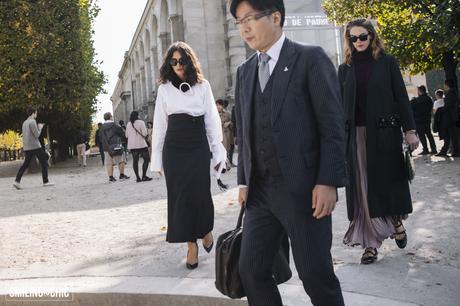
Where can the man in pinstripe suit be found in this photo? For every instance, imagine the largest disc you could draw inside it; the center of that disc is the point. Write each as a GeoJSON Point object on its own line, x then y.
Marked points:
{"type": "Point", "coordinates": [290, 126]}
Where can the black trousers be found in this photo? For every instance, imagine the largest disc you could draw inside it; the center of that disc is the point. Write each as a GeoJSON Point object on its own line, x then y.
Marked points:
{"type": "Point", "coordinates": [42, 158]}
{"type": "Point", "coordinates": [424, 132]}
{"type": "Point", "coordinates": [101, 152]}
{"type": "Point", "coordinates": [451, 138]}
{"type": "Point", "coordinates": [269, 210]}
{"type": "Point", "coordinates": [230, 153]}
{"type": "Point", "coordinates": [144, 152]}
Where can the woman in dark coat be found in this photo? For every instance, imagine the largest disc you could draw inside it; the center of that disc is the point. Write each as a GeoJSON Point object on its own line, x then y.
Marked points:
{"type": "Point", "coordinates": [377, 108]}
{"type": "Point", "coordinates": [186, 146]}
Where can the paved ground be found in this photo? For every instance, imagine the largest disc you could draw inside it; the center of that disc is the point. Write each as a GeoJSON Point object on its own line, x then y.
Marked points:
{"type": "Point", "coordinates": [89, 236]}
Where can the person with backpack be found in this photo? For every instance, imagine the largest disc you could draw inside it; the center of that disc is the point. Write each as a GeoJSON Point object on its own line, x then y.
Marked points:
{"type": "Point", "coordinates": [112, 136]}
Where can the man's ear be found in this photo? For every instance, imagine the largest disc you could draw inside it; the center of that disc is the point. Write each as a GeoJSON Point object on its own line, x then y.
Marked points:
{"type": "Point", "coordinates": [277, 18]}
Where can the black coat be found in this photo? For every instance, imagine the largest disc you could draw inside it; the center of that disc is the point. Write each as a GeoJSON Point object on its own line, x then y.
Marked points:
{"type": "Point", "coordinates": [451, 108]}
{"type": "Point", "coordinates": [422, 108]}
{"type": "Point", "coordinates": [388, 110]}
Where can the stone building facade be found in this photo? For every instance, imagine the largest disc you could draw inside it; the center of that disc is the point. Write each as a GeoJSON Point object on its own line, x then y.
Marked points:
{"type": "Point", "coordinates": [209, 28]}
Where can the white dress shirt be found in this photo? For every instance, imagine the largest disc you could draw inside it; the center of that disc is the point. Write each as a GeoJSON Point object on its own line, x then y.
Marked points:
{"type": "Point", "coordinates": [274, 52]}
{"type": "Point", "coordinates": [196, 102]}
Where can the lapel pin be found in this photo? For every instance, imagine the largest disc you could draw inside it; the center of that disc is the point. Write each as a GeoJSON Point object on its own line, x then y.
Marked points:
{"type": "Point", "coordinates": [286, 69]}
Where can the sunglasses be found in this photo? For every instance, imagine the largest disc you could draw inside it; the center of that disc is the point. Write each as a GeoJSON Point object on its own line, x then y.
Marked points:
{"type": "Point", "coordinates": [362, 37]}
{"type": "Point", "coordinates": [173, 62]}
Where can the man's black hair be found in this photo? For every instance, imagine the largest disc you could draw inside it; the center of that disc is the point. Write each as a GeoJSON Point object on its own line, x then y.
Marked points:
{"type": "Point", "coordinates": [31, 110]}
{"type": "Point", "coordinates": [449, 83]}
{"type": "Point", "coordinates": [422, 89]}
{"type": "Point", "coordinates": [261, 5]}
{"type": "Point", "coordinates": [220, 102]}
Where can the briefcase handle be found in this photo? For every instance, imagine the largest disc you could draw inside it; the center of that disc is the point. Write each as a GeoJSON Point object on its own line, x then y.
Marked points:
{"type": "Point", "coordinates": [240, 217]}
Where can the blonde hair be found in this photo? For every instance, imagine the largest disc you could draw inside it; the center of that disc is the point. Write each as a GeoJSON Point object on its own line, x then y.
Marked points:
{"type": "Point", "coordinates": [376, 43]}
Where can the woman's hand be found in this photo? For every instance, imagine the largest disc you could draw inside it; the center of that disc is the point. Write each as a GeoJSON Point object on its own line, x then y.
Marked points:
{"type": "Point", "coordinates": [412, 140]}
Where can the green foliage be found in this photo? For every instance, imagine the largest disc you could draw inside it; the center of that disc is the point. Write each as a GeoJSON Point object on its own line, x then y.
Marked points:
{"type": "Point", "coordinates": [47, 60]}
{"type": "Point", "coordinates": [10, 140]}
{"type": "Point", "coordinates": [422, 34]}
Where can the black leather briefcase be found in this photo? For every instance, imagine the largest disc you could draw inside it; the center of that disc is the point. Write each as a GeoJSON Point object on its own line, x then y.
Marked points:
{"type": "Point", "coordinates": [228, 248]}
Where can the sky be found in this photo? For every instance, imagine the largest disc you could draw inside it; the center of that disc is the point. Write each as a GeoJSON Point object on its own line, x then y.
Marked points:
{"type": "Point", "coordinates": [114, 29]}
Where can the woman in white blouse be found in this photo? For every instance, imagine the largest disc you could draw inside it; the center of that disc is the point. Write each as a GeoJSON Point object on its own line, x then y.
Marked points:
{"type": "Point", "coordinates": [187, 145]}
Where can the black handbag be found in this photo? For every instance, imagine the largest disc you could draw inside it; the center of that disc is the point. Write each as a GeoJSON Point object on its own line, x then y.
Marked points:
{"type": "Point", "coordinates": [409, 164]}
{"type": "Point", "coordinates": [228, 248]}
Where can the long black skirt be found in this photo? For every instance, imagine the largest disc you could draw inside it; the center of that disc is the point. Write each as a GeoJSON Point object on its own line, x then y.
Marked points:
{"type": "Point", "coordinates": [186, 164]}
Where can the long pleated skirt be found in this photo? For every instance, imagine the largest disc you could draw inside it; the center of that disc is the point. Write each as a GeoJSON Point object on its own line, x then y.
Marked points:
{"type": "Point", "coordinates": [364, 230]}
{"type": "Point", "coordinates": [186, 163]}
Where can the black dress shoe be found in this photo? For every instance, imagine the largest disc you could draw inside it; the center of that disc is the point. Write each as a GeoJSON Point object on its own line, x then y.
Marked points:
{"type": "Point", "coordinates": [209, 247]}
{"type": "Point", "coordinates": [191, 266]}
{"type": "Point", "coordinates": [441, 154]}
{"type": "Point", "coordinates": [195, 265]}
{"type": "Point", "coordinates": [146, 179]}
{"type": "Point", "coordinates": [424, 152]}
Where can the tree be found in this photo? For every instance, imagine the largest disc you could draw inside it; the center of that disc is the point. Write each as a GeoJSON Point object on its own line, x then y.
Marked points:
{"type": "Point", "coordinates": [47, 60]}
{"type": "Point", "coordinates": [422, 34]}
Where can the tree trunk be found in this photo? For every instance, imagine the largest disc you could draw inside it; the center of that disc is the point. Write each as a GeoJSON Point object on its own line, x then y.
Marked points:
{"type": "Point", "coordinates": [450, 67]}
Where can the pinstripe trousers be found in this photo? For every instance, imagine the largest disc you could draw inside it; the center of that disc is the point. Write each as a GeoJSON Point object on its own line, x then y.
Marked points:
{"type": "Point", "coordinates": [269, 210]}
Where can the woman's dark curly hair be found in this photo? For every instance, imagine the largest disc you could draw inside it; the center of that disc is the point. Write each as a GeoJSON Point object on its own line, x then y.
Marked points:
{"type": "Point", "coordinates": [192, 67]}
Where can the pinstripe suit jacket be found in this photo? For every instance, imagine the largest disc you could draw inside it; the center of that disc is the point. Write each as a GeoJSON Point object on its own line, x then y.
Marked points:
{"type": "Point", "coordinates": [307, 119]}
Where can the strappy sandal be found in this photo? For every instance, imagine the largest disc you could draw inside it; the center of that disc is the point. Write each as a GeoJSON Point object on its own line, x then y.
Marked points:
{"type": "Point", "coordinates": [369, 256]}
{"type": "Point", "coordinates": [399, 237]}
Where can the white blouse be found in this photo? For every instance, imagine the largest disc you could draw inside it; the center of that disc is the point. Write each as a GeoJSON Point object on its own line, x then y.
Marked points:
{"type": "Point", "coordinates": [198, 101]}
{"type": "Point", "coordinates": [437, 104]}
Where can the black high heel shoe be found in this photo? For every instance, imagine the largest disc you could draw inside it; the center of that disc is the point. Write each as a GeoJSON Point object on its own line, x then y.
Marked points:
{"type": "Point", "coordinates": [195, 265]}
{"type": "Point", "coordinates": [400, 237]}
{"type": "Point", "coordinates": [209, 247]}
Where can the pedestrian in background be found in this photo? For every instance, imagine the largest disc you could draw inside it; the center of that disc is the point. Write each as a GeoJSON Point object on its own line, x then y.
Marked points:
{"type": "Point", "coordinates": [450, 119]}
{"type": "Point", "coordinates": [377, 108]}
{"type": "Point", "coordinates": [32, 148]}
{"type": "Point", "coordinates": [227, 124]}
{"type": "Point", "coordinates": [113, 136]}
{"type": "Point", "coordinates": [422, 107]}
{"type": "Point", "coordinates": [98, 141]}
{"type": "Point", "coordinates": [82, 140]}
{"type": "Point", "coordinates": [136, 132]}
{"type": "Point", "coordinates": [121, 123]}
{"type": "Point", "coordinates": [187, 133]}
